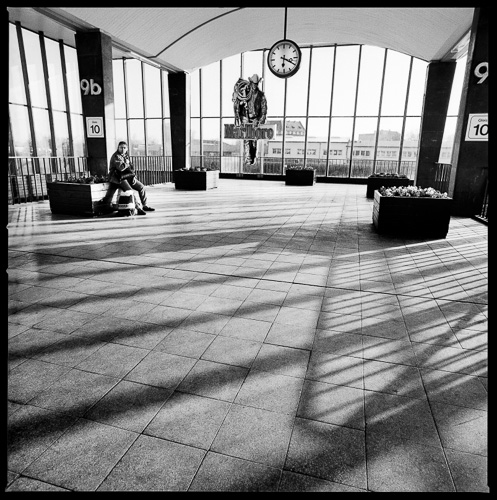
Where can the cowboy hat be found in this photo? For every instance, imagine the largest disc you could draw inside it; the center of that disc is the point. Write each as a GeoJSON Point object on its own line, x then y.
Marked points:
{"type": "Point", "coordinates": [254, 78]}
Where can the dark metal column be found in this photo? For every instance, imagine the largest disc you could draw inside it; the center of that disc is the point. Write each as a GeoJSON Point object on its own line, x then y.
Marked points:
{"type": "Point", "coordinates": [94, 52]}
{"type": "Point", "coordinates": [438, 88]}
{"type": "Point", "coordinates": [179, 105]}
{"type": "Point", "coordinates": [470, 158]}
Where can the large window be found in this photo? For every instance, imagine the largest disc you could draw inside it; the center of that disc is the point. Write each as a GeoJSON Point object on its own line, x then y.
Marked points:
{"type": "Point", "coordinates": [348, 112]}
{"type": "Point", "coordinates": [46, 134]}
{"type": "Point", "coordinates": [52, 124]}
{"type": "Point", "coordinates": [142, 116]}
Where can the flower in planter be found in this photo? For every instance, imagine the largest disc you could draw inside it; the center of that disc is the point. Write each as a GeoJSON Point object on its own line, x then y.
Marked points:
{"type": "Point", "coordinates": [412, 191]}
{"type": "Point", "coordinates": [389, 175]}
{"type": "Point", "coordinates": [299, 167]}
{"type": "Point", "coordinates": [198, 169]}
{"type": "Point", "coordinates": [85, 179]}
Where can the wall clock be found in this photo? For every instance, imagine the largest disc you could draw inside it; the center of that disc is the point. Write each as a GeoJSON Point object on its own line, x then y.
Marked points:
{"type": "Point", "coordinates": [284, 58]}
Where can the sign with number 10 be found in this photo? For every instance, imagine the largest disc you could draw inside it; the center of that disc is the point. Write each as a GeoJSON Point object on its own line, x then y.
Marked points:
{"type": "Point", "coordinates": [477, 129]}
{"type": "Point", "coordinates": [94, 127]}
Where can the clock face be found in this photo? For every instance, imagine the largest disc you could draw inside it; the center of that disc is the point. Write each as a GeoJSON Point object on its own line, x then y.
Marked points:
{"type": "Point", "coordinates": [284, 58]}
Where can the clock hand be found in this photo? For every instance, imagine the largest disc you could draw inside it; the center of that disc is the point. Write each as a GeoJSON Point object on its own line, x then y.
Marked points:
{"type": "Point", "coordinates": [288, 60]}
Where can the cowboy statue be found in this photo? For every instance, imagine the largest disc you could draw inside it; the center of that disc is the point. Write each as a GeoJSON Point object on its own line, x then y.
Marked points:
{"type": "Point", "coordinates": [250, 106]}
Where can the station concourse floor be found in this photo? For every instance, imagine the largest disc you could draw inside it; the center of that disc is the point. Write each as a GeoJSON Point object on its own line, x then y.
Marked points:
{"type": "Point", "coordinates": [253, 337]}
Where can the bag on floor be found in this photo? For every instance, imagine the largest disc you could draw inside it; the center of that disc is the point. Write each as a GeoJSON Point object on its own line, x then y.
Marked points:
{"type": "Point", "coordinates": [126, 204]}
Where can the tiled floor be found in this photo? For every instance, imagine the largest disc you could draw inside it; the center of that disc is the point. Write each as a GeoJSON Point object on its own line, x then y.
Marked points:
{"type": "Point", "coordinates": [253, 337]}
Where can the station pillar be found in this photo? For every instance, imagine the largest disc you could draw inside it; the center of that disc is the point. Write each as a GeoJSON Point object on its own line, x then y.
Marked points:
{"type": "Point", "coordinates": [179, 106]}
{"type": "Point", "coordinates": [469, 176]}
{"type": "Point", "coordinates": [94, 53]}
{"type": "Point", "coordinates": [437, 96]}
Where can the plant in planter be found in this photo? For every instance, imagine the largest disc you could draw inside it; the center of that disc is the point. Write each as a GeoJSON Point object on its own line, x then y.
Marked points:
{"type": "Point", "coordinates": [296, 175]}
{"type": "Point", "coordinates": [376, 181]}
{"type": "Point", "coordinates": [389, 175]}
{"type": "Point", "coordinates": [77, 195]}
{"type": "Point", "coordinates": [196, 178]}
{"type": "Point", "coordinates": [412, 211]}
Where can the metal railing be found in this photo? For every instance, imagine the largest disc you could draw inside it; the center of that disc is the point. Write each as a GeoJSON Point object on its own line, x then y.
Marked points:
{"type": "Point", "coordinates": [153, 169]}
{"type": "Point", "coordinates": [483, 215]}
{"type": "Point", "coordinates": [342, 168]}
{"type": "Point", "coordinates": [442, 177]}
{"type": "Point", "coordinates": [28, 176]}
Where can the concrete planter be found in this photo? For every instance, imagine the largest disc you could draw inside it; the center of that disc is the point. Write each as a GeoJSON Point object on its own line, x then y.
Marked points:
{"type": "Point", "coordinates": [196, 180]}
{"type": "Point", "coordinates": [412, 217]}
{"type": "Point", "coordinates": [76, 199]}
{"type": "Point", "coordinates": [300, 177]}
{"type": "Point", "coordinates": [375, 183]}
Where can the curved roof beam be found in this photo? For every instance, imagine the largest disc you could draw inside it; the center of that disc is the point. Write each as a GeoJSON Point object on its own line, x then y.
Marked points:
{"type": "Point", "coordinates": [195, 29]}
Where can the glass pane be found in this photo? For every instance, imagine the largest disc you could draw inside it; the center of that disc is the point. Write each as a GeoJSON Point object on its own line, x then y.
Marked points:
{"type": "Point", "coordinates": [344, 88]}
{"type": "Point", "coordinates": [42, 132]}
{"type": "Point", "coordinates": [78, 135]}
{"type": "Point", "coordinates": [363, 147]}
{"type": "Point", "coordinates": [448, 140]}
{"type": "Point", "coordinates": [317, 141]}
{"type": "Point", "coordinates": [230, 74]}
{"type": "Point", "coordinates": [165, 95]}
{"type": "Point", "coordinates": [210, 79]}
{"type": "Point", "coordinates": [72, 76]}
{"type": "Point", "coordinates": [55, 82]}
{"type": "Point", "coordinates": [410, 147]}
{"type": "Point", "coordinates": [272, 155]}
{"type": "Point", "coordinates": [167, 138]}
{"type": "Point", "coordinates": [195, 141]}
{"type": "Point", "coordinates": [370, 76]}
{"type": "Point", "coordinates": [17, 93]}
{"type": "Point", "coordinates": [62, 146]}
{"type": "Point", "coordinates": [20, 130]}
{"type": "Point", "coordinates": [134, 88]}
{"type": "Point", "coordinates": [210, 142]}
{"type": "Point", "coordinates": [270, 151]}
{"type": "Point", "coordinates": [253, 62]}
{"type": "Point", "coordinates": [395, 86]}
{"type": "Point", "coordinates": [387, 153]}
{"type": "Point", "coordinates": [417, 88]}
{"type": "Point", "coordinates": [35, 69]}
{"type": "Point", "coordinates": [153, 103]}
{"type": "Point", "coordinates": [232, 159]}
{"type": "Point", "coordinates": [195, 94]}
{"type": "Point", "coordinates": [295, 141]}
{"type": "Point", "coordinates": [296, 98]}
{"type": "Point", "coordinates": [119, 96]}
{"type": "Point", "coordinates": [455, 94]}
{"type": "Point", "coordinates": [11, 142]}
{"type": "Point", "coordinates": [340, 139]}
{"type": "Point", "coordinates": [121, 132]}
{"type": "Point", "coordinates": [274, 89]}
{"type": "Point", "coordinates": [320, 88]}
{"type": "Point", "coordinates": [154, 137]}
{"type": "Point", "coordinates": [136, 143]}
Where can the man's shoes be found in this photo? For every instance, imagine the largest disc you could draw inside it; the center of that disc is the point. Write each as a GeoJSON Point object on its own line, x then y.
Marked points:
{"type": "Point", "coordinates": [148, 209]}
{"type": "Point", "coordinates": [139, 211]}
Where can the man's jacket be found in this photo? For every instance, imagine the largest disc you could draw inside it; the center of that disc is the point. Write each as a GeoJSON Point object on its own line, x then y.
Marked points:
{"type": "Point", "coordinates": [120, 168]}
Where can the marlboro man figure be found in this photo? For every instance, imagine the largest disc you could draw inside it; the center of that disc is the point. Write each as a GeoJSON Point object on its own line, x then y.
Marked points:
{"type": "Point", "coordinates": [250, 106]}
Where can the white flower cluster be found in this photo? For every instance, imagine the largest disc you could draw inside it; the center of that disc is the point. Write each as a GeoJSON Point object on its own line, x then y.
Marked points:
{"type": "Point", "coordinates": [412, 191]}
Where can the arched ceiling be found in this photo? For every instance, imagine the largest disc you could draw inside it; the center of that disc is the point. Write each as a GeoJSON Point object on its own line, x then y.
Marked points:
{"type": "Point", "coordinates": [186, 38]}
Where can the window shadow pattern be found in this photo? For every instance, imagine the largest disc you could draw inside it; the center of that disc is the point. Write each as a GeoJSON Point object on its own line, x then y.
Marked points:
{"type": "Point", "coordinates": [269, 341]}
